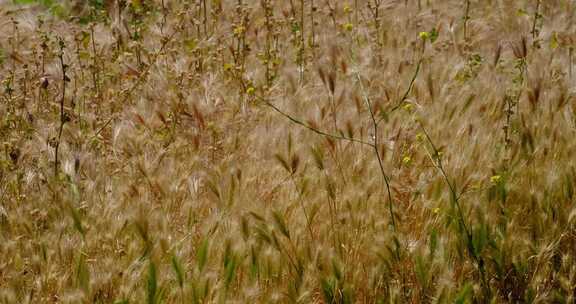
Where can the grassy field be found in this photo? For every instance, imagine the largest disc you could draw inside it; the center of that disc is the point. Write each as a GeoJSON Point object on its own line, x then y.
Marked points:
{"type": "Point", "coordinates": [301, 151]}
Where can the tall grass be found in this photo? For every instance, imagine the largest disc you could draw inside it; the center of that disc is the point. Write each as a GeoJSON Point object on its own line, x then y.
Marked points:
{"type": "Point", "coordinates": [287, 152]}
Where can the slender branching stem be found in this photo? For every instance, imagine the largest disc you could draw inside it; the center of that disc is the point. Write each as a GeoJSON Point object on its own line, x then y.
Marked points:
{"type": "Point", "coordinates": [313, 129]}
{"type": "Point", "coordinates": [436, 158]}
{"type": "Point", "coordinates": [406, 93]}
{"type": "Point", "coordinates": [375, 146]}
{"type": "Point", "coordinates": [63, 117]}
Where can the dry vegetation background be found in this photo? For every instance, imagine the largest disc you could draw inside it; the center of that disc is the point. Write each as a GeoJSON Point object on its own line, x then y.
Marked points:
{"type": "Point", "coordinates": [309, 151]}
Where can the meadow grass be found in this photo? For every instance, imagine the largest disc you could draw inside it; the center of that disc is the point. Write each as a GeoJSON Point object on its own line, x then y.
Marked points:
{"type": "Point", "coordinates": [301, 151]}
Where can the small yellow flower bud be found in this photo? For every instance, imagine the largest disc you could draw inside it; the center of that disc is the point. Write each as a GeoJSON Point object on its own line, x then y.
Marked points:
{"type": "Point", "coordinates": [228, 66]}
{"type": "Point", "coordinates": [347, 9]}
{"type": "Point", "coordinates": [238, 30]}
{"type": "Point", "coordinates": [348, 27]}
{"type": "Point", "coordinates": [424, 35]}
{"type": "Point", "coordinates": [407, 160]}
{"type": "Point", "coordinates": [496, 179]}
{"type": "Point", "coordinates": [420, 137]}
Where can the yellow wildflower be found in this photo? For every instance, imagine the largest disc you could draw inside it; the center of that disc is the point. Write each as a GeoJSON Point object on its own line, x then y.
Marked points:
{"type": "Point", "coordinates": [347, 9]}
{"type": "Point", "coordinates": [228, 66]}
{"type": "Point", "coordinates": [420, 137]}
{"type": "Point", "coordinates": [496, 179]}
{"type": "Point", "coordinates": [238, 30]}
{"type": "Point", "coordinates": [348, 26]}
{"type": "Point", "coordinates": [424, 35]}
{"type": "Point", "coordinates": [407, 160]}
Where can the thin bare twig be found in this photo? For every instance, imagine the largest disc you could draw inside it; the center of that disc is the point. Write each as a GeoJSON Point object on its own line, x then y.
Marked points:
{"type": "Point", "coordinates": [311, 128]}
{"type": "Point", "coordinates": [376, 151]}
